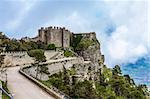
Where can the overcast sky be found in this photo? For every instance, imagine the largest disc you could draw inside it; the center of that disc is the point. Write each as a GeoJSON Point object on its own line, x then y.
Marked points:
{"type": "Point", "coordinates": [121, 25]}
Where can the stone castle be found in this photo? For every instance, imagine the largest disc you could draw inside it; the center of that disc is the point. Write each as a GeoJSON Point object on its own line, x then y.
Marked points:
{"type": "Point", "coordinates": [59, 36]}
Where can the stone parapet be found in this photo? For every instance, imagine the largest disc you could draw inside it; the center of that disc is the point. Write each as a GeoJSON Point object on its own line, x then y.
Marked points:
{"type": "Point", "coordinates": [0, 90]}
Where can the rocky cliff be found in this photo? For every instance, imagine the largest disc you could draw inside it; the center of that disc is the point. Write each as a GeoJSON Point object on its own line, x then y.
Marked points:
{"type": "Point", "coordinates": [89, 49]}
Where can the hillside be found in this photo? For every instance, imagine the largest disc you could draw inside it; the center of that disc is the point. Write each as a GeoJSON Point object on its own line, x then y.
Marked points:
{"type": "Point", "coordinates": [89, 78]}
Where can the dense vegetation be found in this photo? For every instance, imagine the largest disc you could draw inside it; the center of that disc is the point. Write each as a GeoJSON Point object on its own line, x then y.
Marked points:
{"type": "Point", "coordinates": [51, 47]}
{"type": "Point", "coordinates": [21, 45]}
{"type": "Point", "coordinates": [75, 41]}
{"type": "Point", "coordinates": [85, 43]}
{"type": "Point", "coordinates": [109, 85]}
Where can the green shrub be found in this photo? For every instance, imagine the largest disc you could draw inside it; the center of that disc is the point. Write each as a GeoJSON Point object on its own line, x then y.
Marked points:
{"type": "Point", "coordinates": [38, 54]}
{"type": "Point", "coordinates": [51, 47]}
{"type": "Point", "coordinates": [76, 40]}
{"type": "Point", "coordinates": [85, 43]}
{"type": "Point", "coordinates": [68, 53]}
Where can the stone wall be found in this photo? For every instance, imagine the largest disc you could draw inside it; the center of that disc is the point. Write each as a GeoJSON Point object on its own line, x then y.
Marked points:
{"type": "Point", "coordinates": [55, 35]}
{"type": "Point", "coordinates": [17, 58]}
{"type": "Point", "coordinates": [22, 58]}
{"type": "Point", "coordinates": [89, 35]}
{"type": "Point", "coordinates": [54, 66]}
{"type": "Point", "coordinates": [59, 36]}
{"type": "Point", "coordinates": [66, 38]}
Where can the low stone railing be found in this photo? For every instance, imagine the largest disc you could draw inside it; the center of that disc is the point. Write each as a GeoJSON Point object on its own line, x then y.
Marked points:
{"type": "Point", "coordinates": [14, 52]}
{"type": "Point", "coordinates": [5, 92]}
{"type": "Point", "coordinates": [0, 90]}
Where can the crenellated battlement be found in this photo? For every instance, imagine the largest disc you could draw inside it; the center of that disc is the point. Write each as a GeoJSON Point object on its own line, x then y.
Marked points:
{"type": "Point", "coordinates": [60, 36]}
{"type": "Point", "coordinates": [53, 28]}
{"type": "Point", "coordinates": [14, 53]}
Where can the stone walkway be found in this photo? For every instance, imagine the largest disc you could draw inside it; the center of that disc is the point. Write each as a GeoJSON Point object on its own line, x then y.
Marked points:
{"type": "Point", "coordinates": [22, 88]}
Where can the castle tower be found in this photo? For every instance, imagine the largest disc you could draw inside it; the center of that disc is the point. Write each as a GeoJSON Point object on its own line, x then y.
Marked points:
{"type": "Point", "coordinates": [55, 35]}
{"type": "Point", "coordinates": [41, 34]}
{"type": "Point", "coordinates": [66, 38]}
{"type": "Point", "coordinates": [48, 37]}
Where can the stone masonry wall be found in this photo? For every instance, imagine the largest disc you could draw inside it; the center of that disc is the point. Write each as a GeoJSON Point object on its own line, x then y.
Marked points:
{"type": "Point", "coordinates": [17, 58]}
{"type": "Point", "coordinates": [54, 67]}
{"type": "Point", "coordinates": [22, 58]}
{"type": "Point", "coordinates": [55, 35]}
{"type": "Point", "coordinates": [59, 36]}
{"type": "Point", "coordinates": [66, 38]}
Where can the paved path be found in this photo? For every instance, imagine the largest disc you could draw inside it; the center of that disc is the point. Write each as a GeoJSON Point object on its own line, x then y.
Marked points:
{"type": "Point", "coordinates": [22, 88]}
{"type": "Point", "coordinates": [60, 60]}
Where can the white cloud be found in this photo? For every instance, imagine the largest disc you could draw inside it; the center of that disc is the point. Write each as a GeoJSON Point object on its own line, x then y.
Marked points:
{"type": "Point", "coordinates": [139, 50]}
{"type": "Point", "coordinates": [119, 49]}
{"type": "Point", "coordinates": [130, 40]}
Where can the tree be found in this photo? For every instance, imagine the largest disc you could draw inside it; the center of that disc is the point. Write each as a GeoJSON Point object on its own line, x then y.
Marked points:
{"type": "Point", "coordinates": [39, 56]}
{"type": "Point", "coordinates": [1, 65]}
{"type": "Point", "coordinates": [65, 76]}
{"type": "Point", "coordinates": [44, 70]}
{"type": "Point", "coordinates": [118, 84]}
{"type": "Point", "coordinates": [129, 80]}
{"type": "Point", "coordinates": [101, 77]}
{"type": "Point", "coordinates": [51, 47]}
{"type": "Point", "coordinates": [83, 90]}
{"type": "Point", "coordinates": [41, 45]}
{"type": "Point", "coordinates": [116, 70]}
{"type": "Point", "coordinates": [136, 94]}
{"type": "Point", "coordinates": [144, 89]}
{"type": "Point", "coordinates": [68, 53]}
{"type": "Point", "coordinates": [76, 40]}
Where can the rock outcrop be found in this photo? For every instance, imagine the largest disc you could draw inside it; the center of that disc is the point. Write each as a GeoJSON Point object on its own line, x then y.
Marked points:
{"type": "Point", "coordinates": [89, 49]}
